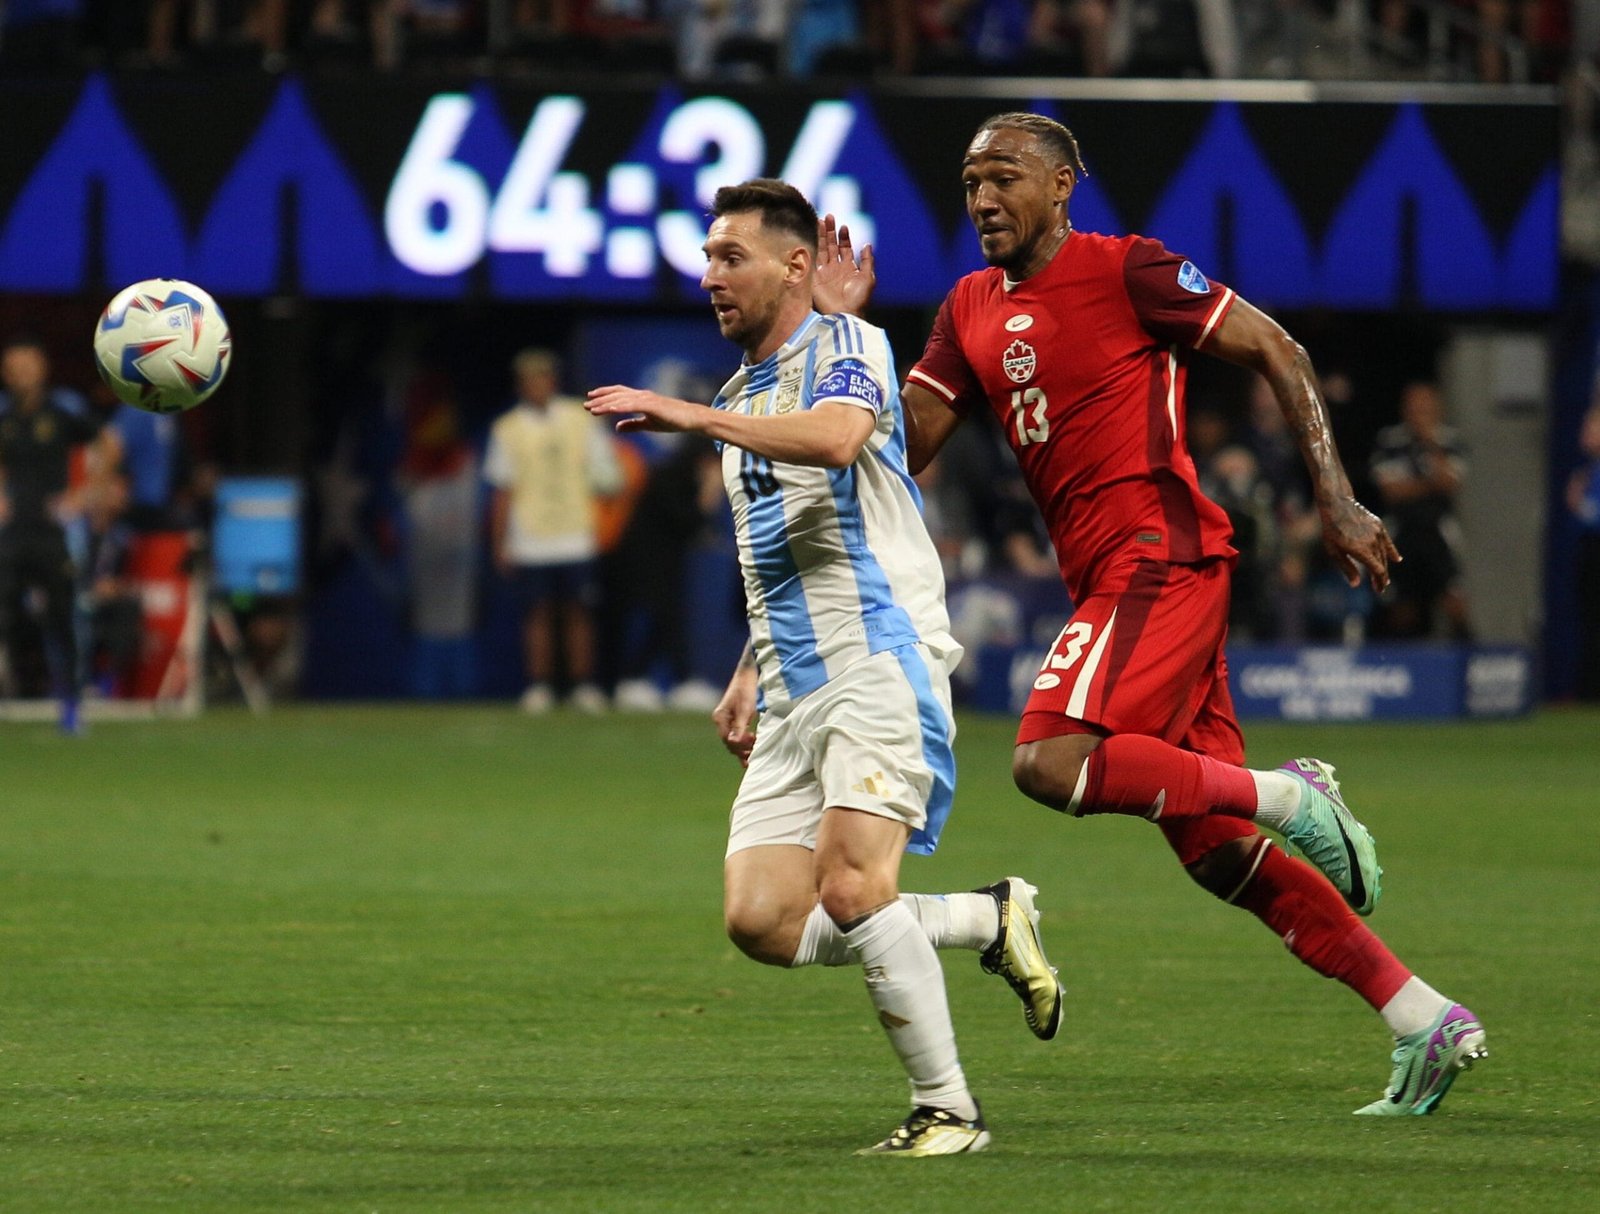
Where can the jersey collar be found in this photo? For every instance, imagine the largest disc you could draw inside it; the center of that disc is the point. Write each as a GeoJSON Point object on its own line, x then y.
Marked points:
{"type": "Point", "coordinates": [790, 342]}
{"type": "Point", "coordinates": [1009, 284]}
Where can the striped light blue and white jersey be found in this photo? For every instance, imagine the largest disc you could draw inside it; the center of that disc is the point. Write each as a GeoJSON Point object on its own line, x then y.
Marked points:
{"type": "Point", "coordinates": [837, 562]}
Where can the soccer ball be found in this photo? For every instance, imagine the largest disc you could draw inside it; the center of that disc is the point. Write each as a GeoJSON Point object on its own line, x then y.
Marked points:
{"type": "Point", "coordinates": [162, 345]}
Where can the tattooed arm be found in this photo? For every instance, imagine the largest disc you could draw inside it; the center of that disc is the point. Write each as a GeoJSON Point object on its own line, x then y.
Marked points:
{"type": "Point", "coordinates": [1351, 533]}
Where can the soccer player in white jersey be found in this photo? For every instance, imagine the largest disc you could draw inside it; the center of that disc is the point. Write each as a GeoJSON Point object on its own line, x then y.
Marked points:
{"type": "Point", "coordinates": [848, 664]}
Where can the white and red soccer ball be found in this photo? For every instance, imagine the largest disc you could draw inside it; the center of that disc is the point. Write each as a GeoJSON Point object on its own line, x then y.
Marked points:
{"type": "Point", "coordinates": [162, 345]}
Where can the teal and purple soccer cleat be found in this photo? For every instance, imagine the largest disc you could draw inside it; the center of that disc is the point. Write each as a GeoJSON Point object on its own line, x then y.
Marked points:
{"type": "Point", "coordinates": [1327, 834]}
{"type": "Point", "coordinates": [1427, 1062]}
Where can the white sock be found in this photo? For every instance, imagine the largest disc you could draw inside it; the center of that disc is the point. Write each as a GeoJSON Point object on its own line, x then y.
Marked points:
{"type": "Point", "coordinates": [907, 987]}
{"type": "Point", "coordinates": [1414, 1007]}
{"type": "Point", "coordinates": [969, 921]}
{"type": "Point", "coordinates": [1277, 798]}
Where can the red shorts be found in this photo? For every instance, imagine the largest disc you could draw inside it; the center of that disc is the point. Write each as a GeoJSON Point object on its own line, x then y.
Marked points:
{"type": "Point", "coordinates": [1144, 654]}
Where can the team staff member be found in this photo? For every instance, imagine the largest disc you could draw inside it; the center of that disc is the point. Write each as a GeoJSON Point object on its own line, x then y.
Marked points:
{"type": "Point", "coordinates": [39, 428]}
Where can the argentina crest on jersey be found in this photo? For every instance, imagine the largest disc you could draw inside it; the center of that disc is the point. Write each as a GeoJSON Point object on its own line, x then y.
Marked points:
{"type": "Point", "coordinates": [789, 390]}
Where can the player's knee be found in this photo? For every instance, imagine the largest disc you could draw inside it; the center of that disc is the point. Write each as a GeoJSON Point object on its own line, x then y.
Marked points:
{"type": "Point", "coordinates": [1047, 771]}
{"type": "Point", "coordinates": [848, 893]}
{"type": "Point", "coordinates": [759, 929]}
{"type": "Point", "coordinates": [1225, 870]}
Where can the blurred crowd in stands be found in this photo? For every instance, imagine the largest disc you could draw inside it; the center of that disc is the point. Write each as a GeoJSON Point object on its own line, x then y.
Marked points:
{"type": "Point", "coordinates": [1285, 587]}
{"type": "Point", "coordinates": [525, 505]}
{"type": "Point", "coordinates": [590, 535]}
{"type": "Point", "coordinates": [750, 40]}
{"type": "Point", "coordinates": [634, 512]}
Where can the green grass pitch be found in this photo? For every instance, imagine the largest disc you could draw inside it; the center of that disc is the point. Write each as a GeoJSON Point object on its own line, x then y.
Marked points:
{"type": "Point", "coordinates": [408, 959]}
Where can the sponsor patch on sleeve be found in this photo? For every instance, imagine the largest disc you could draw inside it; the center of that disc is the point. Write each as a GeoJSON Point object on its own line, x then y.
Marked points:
{"type": "Point", "coordinates": [850, 380]}
{"type": "Point", "coordinates": [1190, 279]}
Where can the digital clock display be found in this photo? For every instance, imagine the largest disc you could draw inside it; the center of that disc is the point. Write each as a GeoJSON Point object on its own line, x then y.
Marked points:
{"type": "Point", "coordinates": [390, 188]}
{"type": "Point", "coordinates": [443, 215]}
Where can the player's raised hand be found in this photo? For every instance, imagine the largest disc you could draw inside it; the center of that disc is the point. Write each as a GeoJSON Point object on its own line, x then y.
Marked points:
{"type": "Point", "coordinates": [1358, 540]}
{"type": "Point", "coordinates": [843, 282]}
{"type": "Point", "coordinates": [636, 409]}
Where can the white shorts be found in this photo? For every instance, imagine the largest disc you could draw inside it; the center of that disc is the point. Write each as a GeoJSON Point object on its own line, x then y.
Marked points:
{"type": "Point", "coordinates": [877, 739]}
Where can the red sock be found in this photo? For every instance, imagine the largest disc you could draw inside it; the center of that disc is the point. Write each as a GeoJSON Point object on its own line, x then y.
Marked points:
{"type": "Point", "coordinates": [1133, 774]}
{"type": "Point", "coordinates": [1298, 903]}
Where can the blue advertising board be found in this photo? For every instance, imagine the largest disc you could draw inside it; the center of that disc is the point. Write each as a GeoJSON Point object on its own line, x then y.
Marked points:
{"type": "Point", "coordinates": [256, 537]}
{"type": "Point", "coordinates": [1379, 682]}
{"type": "Point", "coordinates": [1393, 682]}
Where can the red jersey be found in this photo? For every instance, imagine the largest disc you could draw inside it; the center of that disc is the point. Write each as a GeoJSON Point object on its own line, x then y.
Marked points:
{"type": "Point", "coordinates": [1084, 365]}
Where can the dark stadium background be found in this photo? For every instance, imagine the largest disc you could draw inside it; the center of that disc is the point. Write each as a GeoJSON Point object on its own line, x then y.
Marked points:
{"type": "Point", "coordinates": [1380, 222]}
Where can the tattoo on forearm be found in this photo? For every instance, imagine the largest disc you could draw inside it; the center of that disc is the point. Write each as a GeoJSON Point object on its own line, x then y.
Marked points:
{"type": "Point", "coordinates": [747, 659]}
{"type": "Point", "coordinates": [1308, 418]}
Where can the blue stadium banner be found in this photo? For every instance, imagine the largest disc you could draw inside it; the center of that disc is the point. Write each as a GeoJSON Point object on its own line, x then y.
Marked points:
{"type": "Point", "coordinates": [416, 189]}
{"type": "Point", "coordinates": [256, 538]}
{"type": "Point", "coordinates": [1379, 682]}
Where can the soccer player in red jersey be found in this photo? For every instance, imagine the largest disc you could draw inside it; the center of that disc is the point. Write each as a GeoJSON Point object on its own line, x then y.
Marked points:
{"type": "Point", "coordinates": [1079, 345]}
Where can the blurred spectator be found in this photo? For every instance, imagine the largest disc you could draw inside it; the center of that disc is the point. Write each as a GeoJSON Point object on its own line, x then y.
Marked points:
{"type": "Point", "coordinates": [111, 597]}
{"type": "Point", "coordinates": [952, 486]}
{"type": "Point", "coordinates": [260, 27]}
{"type": "Point", "coordinates": [1208, 432]}
{"type": "Point", "coordinates": [1023, 543]}
{"type": "Point", "coordinates": [265, 24]}
{"type": "Point", "coordinates": [173, 24]}
{"type": "Point", "coordinates": [818, 27]}
{"type": "Point", "coordinates": [1542, 26]}
{"type": "Point", "coordinates": [438, 486]}
{"type": "Point", "coordinates": [1583, 499]}
{"type": "Point", "coordinates": [346, 34]}
{"type": "Point", "coordinates": [1297, 560]}
{"type": "Point", "coordinates": [1070, 33]}
{"type": "Point", "coordinates": [1233, 480]}
{"type": "Point", "coordinates": [1492, 41]}
{"type": "Point", "coordinates": [552, 17]}
{"type": "Point", "coordinates": [978, 510]}
{"type": "Point", "coordinates": [1419, 467]}
{"type": "Point", "coordinates": [1231, 476]}
{"type": "Point", "coordinates": [40, 426]}
{"type": "Point", "coordinates": [332, 19]}
{"type": "Point", "coordinates": [998, 31]}
{"type": "Point", "coordinates": [548, 460]}
{"type": "Point", "coordinates": [730, 39]}
{"type": "Point", "coordinates": [414, 30]}
{"type": "Point", "coordinates": [1173, 38]}
{"type": "Point", "coordinates": [1276, 36]}
{"type": "Point", "coordinates": [893, 33]}
{"type": "Point", "coordinates": [648, 572]}
{"type": "Point", "coordinates": [163, 488]}
{"type": "Point", "coordinates": [1269, 440]}
{"type": "Point", "coordinates": [626, 37]}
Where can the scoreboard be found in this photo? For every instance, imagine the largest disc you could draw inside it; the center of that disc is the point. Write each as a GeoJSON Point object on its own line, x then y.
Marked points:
{"type": "Point", "coordinates": [402, 188]}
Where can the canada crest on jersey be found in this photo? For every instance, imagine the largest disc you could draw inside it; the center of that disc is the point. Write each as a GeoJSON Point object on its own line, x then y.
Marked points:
{"type": "Point", "coordinates": [1020, 362]}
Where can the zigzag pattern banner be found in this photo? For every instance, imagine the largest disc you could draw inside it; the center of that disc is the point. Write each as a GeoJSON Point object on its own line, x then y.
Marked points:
{"type": "Point", "coordinates": [392, 188]}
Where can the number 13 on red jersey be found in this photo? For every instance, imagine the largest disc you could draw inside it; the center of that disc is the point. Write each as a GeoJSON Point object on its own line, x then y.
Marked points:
{"type": "Point", "coordinates": [1028, 407]}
